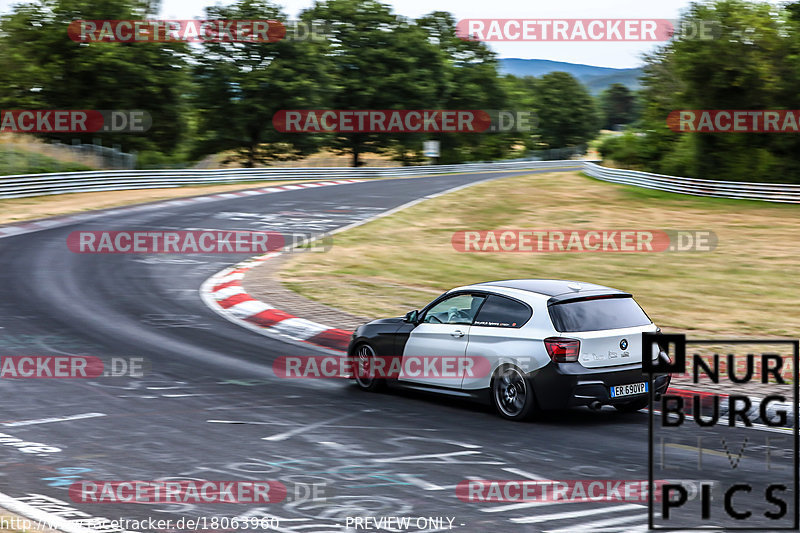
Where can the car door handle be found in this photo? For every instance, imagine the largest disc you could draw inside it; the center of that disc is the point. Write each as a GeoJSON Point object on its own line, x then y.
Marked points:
{"type": "Point", "coordinates": [457, 333]}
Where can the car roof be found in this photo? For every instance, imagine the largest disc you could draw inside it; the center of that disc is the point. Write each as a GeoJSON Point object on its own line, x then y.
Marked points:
{"type": "Point", "coordinates": [545, 287]}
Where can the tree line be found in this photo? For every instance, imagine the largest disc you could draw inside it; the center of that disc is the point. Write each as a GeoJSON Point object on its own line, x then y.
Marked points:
{"type": "Point", "coordinates": [214, 97]}
{"type": "Point", "coordinates": [751, 63]}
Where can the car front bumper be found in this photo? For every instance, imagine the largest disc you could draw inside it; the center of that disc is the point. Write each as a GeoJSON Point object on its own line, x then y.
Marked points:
{"type": "Point", "coordinates": [560, 385]}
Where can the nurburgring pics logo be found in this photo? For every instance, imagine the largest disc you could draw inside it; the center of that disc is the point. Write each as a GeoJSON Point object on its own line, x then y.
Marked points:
{"type": "Point", "coordinates": [538, 241]}
{"type": "Point", "coordinates": [748, 480]}
{"type": "Point", "coordinates": [74, 121]}
{"type": "Point", "coordinates": [403, 120]}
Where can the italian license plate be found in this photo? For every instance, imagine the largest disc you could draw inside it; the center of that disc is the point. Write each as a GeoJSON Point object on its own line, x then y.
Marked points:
{"type": "Point", "coordinates": [628, 390]}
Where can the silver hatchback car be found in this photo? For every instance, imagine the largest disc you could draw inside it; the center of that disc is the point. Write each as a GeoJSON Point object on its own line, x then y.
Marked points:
{"type": "Point", "coordinates": [522, 345]}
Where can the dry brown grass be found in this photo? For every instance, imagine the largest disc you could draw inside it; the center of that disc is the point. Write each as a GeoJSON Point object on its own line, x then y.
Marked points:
{"type": "Point", "coordinates": [748, 286]}
{"type": "Point", "coordinates": [13, 519]}
{"type": "Point", "coordinates": [19, 209]}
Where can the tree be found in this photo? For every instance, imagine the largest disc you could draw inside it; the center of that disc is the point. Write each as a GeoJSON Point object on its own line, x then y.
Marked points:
{"type": "Point", "coordinates": [618, 106]}
{"type": "Point", "coordinates": [377, 61]}
{"type": "Point", "coordinates": [751, 63]}
{"type": "Point", "coordinates": [566, 111]}
{"type": "Point", "coordinates": [241, 86]}
{"type": "Point", "coordinates": [470, 81]}
{"type": "Point", "coordinates": [40, 67]}
{"type": "Point", "coordinates": [521, 94]}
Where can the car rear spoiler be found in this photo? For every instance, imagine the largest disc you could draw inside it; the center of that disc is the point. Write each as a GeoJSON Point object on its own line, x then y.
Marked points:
{"type": "Point", "coordinates": [597, 294]}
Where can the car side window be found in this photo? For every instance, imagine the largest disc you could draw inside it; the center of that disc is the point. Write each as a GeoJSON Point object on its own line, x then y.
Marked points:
{"type": "Point", "coordinates": [458, 309]}
{"type": "Point", "coordinates": [500, 312]}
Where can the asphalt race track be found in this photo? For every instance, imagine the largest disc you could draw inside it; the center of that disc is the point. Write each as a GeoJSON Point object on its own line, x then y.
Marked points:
{"type": "Point", "coordinates": [210, 407]}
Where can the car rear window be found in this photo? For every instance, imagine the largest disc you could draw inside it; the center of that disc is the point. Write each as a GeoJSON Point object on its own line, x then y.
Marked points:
{"type": "Point", "coordinates": [502, 312]}
{"type": "Point", "coordinates": [597, 314]}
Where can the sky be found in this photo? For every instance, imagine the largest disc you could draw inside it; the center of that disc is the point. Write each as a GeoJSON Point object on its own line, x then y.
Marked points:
{"type": "Point", "coordinates": [605, 54]}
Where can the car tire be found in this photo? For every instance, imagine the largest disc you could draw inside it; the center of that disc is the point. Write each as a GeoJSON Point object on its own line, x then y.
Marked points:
{"type": "Point", "coordinates": [512, 394]}
{"type": "Point", "coordinates": [362, 355]}
{"type": "Point", "coordinates": [632, 407]}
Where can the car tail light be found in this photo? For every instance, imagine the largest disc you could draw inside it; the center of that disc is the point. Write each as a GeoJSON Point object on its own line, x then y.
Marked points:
{"type": "Point", "coordinates": [562, 350]}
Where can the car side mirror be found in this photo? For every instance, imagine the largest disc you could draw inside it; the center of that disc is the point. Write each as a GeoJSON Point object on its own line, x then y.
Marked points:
{"type": "Point", "coordinates": [411, 317]}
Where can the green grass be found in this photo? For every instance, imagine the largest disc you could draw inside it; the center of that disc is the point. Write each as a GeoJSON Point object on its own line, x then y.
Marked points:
{"type": "Point", "coordinates": [706, 202]}
{"type": "Point", "coordinates": [17, 161]}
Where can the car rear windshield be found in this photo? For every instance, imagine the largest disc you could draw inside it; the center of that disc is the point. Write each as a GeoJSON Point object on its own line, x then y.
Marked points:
{"type": "Point", "coordinates": [597, 314]}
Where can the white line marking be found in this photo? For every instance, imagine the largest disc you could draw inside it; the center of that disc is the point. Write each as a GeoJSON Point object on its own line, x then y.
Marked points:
{"type": "Point", "coordinates": [54, 419]}
{"type": "Point", "coordinates": [522, 505]}
{"type": "Point", "coordinates": [303, 429]}
{"type": "Point", "coordinates": [523, 473]}
{"type": "Point", "coordinates": [421, 483]}
{"type": "Point", "coordinates": [574, 514]}
{"type": "Point", "coordinates": [407, 458]}
{"type": "Point", "coordinates": [597, 524]}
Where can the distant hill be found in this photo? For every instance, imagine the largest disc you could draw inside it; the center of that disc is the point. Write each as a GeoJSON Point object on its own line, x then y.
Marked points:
{"type": "Point", "coordinates": [595, 78]}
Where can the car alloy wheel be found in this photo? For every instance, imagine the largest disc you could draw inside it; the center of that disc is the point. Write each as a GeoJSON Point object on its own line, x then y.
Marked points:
{"type": "Point", "coordinates": [512, 393]}
{"type": "Point", "coordinates": [363, 363]}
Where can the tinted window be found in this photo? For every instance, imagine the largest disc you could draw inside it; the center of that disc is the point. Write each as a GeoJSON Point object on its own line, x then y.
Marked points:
{"type": "Point", "coordinates": [458, 309]}
{"type": "Point", "coordinates": [502, 312]}
{"type": "Point", "coordinates": [594, 315]}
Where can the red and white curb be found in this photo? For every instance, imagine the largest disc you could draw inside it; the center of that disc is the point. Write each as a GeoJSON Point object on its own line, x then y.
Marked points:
{"type": "Point", "coordinates": [223, 293]}
{"type": "Point", "coordinates": [54, 222]}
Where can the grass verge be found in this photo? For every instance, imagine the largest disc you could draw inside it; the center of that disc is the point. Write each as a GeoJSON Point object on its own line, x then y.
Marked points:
{"type": "Point", "coordinates": [747, 286]}
{"type": "Point", "coordinates": [13, 523]}
{"type": "Point", "coordinates": [19, 209]}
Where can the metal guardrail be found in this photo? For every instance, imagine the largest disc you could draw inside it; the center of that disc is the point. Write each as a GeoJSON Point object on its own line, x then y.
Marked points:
{"type": "Point", "coordinates": [768, 192]}
{"type": "Point", "coordinates": [114, 180]}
